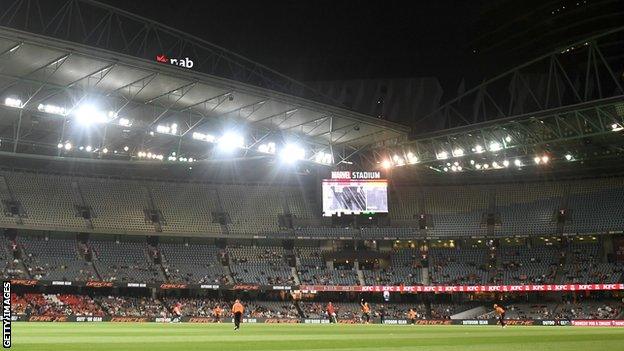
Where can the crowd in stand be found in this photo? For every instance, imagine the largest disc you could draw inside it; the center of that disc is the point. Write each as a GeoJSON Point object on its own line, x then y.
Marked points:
{"type": "Point", "coordinates": [55, 305]}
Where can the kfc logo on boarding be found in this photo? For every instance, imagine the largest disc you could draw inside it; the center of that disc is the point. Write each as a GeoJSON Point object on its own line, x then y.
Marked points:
{"type": "Point", "coordinates": [180, 62]}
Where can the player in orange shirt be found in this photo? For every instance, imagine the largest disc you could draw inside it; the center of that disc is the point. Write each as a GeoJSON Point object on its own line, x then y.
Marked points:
{"type": "Point", "coordinates": [216, 312]}
{"type": "Point", "coordinates": [365, 311]}
{"type": "Point", "coordinates": [237, 311]}
{"type": "Point", "coordinates": [501, 315]}
{"type": "Point", "coordinates": [177, 313]}
{"type": "Point", "coordinates": [331, 313]}
{"type": "Point", "coordinates": [411, 316]}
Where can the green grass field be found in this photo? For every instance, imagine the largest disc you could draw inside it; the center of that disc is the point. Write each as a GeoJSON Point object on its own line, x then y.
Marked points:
{"type": "Point", "coordinates": [155, 337]}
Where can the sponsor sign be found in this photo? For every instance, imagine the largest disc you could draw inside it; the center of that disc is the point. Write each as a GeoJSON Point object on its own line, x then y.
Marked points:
{"type": "Point", "coordinates": [246, 287]}
{"type": "Point", "coordinates": [24, 282]}
{"type": "Point", "coordinates": [598, 323]}
{"type": "Point", "coordinates": [96, 284]}
{"type": "Point", "coordinates": [61, 282]}
{"type": "Point", "coordinates": [178, 61]}
{"type": "Point", "coordinates": [207, 286]}
{"type": "Point", "coordinates": [281, 287]}
{"type": "Point", "coordinates": [131, 319]}
{"type": "Point", "coordinates": [467, 288]}
{"type": "Point", "coordinates": [173, 286]}
{"type": "Point", "coordinates": [89, 319]}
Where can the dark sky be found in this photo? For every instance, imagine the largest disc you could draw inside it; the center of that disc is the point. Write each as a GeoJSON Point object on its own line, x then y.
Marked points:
{"type": "Point", "coordinates": [327, 40]}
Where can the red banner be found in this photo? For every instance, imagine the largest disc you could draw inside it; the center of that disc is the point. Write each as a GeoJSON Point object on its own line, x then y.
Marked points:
{"type": "Point", "coordinates": [466, 288]}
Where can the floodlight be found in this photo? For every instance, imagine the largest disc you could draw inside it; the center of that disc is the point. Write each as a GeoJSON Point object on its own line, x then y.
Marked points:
{"type": "Point", "coordinates": [68, 146]}
{"type": "Point", "coordinates": [13, 102]}
{"type": "Point", "coordinates": [88, 114]}
{"type": "Point", "coordinates": [442, 155]}
{"type": "Point", "coordinates": [230, 141]}
{"type": "Point", "coordinates": [495, 146]}
{"type": "Point", "coordinates": [52, 109]}
{"type": "Point", "coordinates": [291, 153]}
{"type": "Point", "coordinates": [458, 152]}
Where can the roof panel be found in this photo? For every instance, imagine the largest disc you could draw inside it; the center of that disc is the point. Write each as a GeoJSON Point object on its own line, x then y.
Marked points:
{"type": "Point", "coordinates": [75, 68]}
{"type": "Point", "coordinates": [27, 59]}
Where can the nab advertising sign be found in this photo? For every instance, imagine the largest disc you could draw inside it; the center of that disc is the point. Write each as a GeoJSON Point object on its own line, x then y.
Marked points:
{"type": "Point", "coordinates": [184, 62]}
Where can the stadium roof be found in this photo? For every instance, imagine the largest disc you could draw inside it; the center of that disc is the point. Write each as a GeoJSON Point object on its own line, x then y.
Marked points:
{"type": "Point", "coordinates": [46, 75]}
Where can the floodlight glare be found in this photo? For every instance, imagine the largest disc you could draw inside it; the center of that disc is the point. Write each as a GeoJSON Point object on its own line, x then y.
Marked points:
{"type": "Point", "coordinates": [68, 146]}
{"type": "Point", "coordinates": [13, 102]}
{"type": "Point", "coordinates": [518, 163]}
{"type": "Point", "coordinates": [568, 157]}
{"type": "Point", "coordinates": [458, 152]}
{"type": "Point", "coordinates": [442, 155]}
{"type": "Point", "coordinates": [411, 158]}
{"type": "Point", "coordinates": [386, 164]}
{"type": "Point", "coordinates": [537, 160]}
{"type": "Point", "coordinates": [291, 153]}
{"type": "Point", "coordinates": [230, 141]}
{"type": "Point", "coordinates": [478, 149]}
{"type": "Point", "coordinates": [52, 109]}
{"type": "Point", "coordinates": [506, 163]}
{"type": "Point", "coordinates": [323, 157]}
{"type": "Point", "coordinates": [545, 159]}
{"type": "Point", "coordinates": [124, 122]}
{"type": "Point", "coordinates": [495, 146]}
{"type": "Point", "coordinates": [88, 114]}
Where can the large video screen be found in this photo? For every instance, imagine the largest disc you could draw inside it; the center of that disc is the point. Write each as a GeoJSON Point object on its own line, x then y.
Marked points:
{"type": "Point", "coordinates": [350, 196]}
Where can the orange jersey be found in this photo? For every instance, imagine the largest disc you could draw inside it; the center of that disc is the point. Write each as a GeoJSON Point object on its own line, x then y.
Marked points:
{"type": "Point", "coordinates": [177, 310]}
{"type": "Point", "coordinates": [411, 315]}
{"type": "Point", "coordinates": [499, 310]}
{"type": "Point", "coordinates": [237, 308]}
{"type": "Point", "coordinates": [217, 311]}
{"type": "Point", "coordinates": [365, 308]}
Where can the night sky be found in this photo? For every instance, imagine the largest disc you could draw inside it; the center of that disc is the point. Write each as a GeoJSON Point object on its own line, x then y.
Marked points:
{"type": "Point", "coordinates": [330, 39]}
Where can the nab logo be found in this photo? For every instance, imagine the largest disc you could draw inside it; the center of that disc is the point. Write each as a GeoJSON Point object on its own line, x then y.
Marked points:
{"type": "Point", "coordinates": [180, 62]}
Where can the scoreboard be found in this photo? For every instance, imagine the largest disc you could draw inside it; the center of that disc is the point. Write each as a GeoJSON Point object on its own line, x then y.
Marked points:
{"type": "Point", "coordinates": [352, 192]}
